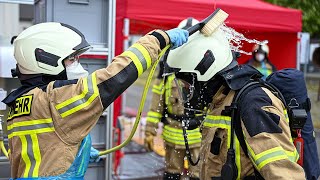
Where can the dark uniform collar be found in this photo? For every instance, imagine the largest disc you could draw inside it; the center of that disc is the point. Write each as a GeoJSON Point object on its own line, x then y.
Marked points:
{"type": "Point", "coordinates": [27, 85]}
{"type": "Point", "coordinates": [239, 76]}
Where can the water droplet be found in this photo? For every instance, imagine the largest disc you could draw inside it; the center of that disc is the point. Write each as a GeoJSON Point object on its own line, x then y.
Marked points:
{"type": "Point", "coordinates": [236, 39]}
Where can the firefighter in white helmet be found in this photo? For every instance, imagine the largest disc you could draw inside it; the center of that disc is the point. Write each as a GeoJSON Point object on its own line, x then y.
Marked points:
{"type": "Point", "coordinates": [260, 60]}
{"type": "Point", "coordinates": [52, 113]}
{"type": "Point", "coordinates": [167, 107]}
{"type": "Point", "coordinates": [262, 122]}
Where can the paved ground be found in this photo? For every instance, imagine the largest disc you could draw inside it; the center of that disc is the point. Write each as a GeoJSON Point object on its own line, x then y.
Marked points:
{"type": "Point", "coordinates": [139, 164]}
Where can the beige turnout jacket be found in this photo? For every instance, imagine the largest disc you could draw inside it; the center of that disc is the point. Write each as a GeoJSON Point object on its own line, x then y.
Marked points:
{"type": "Point", "coordinates": [46, 126]}
{"type": "Point", "coordinates": [266, 130]}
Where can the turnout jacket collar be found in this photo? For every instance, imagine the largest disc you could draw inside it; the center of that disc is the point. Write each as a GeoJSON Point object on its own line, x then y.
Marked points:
{"type": "Point", "coordinates": [239, 76]}
{"type": "Point", "coordinates": [27, 85]}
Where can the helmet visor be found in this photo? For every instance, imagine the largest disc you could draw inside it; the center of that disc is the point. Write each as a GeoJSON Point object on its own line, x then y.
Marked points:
{"type": "Point", "coordinates": [185, 90]}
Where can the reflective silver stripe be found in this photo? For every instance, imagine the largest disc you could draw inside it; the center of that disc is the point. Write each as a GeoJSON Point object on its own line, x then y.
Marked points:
{"type": "Point", "coordinates": [217, 121]}
{"type": "Point", "coordinates": [80, 101]}
{"type": "Point", "coordinates": [30, 127]}
{"type": "Point", "coordinates": [30, 154]}
{"type": "Point", "coordinates": [140, 57]}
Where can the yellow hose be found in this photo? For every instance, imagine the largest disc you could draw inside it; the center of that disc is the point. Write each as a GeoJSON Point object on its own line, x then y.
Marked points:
{"type": "Point", "coordinates": [5, 152]}
{"type": "Point", "coordinates": [141, 106]}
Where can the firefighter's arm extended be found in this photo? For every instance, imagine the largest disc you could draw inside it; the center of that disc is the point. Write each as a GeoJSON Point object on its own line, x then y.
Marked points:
{"type": "Point", "coordinates": [77, 105]}
{"type": "Point", "coordinates": [267, 134]}
{"type": "Point", "coordinates": [155, 113]}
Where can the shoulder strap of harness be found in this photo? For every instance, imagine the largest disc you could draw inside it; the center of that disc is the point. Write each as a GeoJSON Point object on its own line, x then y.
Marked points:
{"type": "Point", "coordinates": [235, 112]}
{"type": "Point", "coordinates": [238, 97]}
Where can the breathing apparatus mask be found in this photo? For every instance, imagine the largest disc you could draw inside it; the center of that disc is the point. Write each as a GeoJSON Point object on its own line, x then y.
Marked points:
{"type": "Point", "coordinates": [202, 57]}
{"type": "Point", "coordinates": [259, 57]}
{"type": "Point", "coordinates": [202, 92]}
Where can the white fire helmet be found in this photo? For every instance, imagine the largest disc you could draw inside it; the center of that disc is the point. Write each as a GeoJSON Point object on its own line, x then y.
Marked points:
{"type": "Point", "coordinates": [41, 48]}
{"type": "Point", "coordinates": [203, 55]}
{"type": "Point", "coordinates": [186, 23]}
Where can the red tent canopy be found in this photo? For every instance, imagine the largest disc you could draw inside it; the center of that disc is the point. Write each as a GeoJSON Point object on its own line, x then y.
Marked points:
{"type": "Point", "coordinates": [254, 18]}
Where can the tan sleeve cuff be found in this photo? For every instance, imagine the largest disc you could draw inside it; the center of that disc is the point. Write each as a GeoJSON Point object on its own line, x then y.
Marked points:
{"type": "Point", "coordinates": [161, 36]}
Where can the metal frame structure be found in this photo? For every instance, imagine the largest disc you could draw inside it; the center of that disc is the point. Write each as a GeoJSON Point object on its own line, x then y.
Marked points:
{"type": "Point", "coordinates": [103, 47]}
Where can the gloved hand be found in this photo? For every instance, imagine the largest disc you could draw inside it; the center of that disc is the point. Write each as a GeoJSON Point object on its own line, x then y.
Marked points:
{"type": "Point", "coordinates": [177, 37]}
{"type": "Point", "coordinates": [148, 141]}
{"type": "Point", "coordinates": [94, 155]}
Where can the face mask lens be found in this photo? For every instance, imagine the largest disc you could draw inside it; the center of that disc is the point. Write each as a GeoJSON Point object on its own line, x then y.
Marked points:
{"type": "Point", "coordinates": [74, 58]}
{"type": "Point", "coordinates": [72, 61]}
{"type": "Point", "coordinates": [185, 89]}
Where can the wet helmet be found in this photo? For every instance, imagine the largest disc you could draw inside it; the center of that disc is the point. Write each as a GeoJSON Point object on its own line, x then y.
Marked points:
{"type": "Point", "coordinates": [41, 48]}
{"type": "Point", "coordinates": [203, 55]}
{"type": "Point", "coordinates": [187, 23]}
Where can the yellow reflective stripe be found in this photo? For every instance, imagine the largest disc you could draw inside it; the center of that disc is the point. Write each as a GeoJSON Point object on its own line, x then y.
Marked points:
{"type": "Point", "coordinates": [36, 131]}
{"type": "Point", "coordinates": [94, 94]}
{"type": "Point", "coordinates": [24, 155]}
{"type": "Point", "coordinates": [180, 136]}
{"type": "Point", "coordinates": [176, 135]}
{"type": "Point", "coordinates": [266, 157]}
{"type": "Point", "coordinates": [75, 98]}
{"type": "Point", "coordinates": [153, 120]}
{"type": "Point", "coordinates": [135, 60]}
{"type": "Point", "coordinates": [179, 140]}
{"type": "Point", "coordinates": [37, 155]}
{"type": "Point", "coordinates": [144, 52]}
{"type": "Point", "coordinates": [159, 86]}
{"type": "Point", "coordinates": [77, 108]}
{"type": "Point", "coordinates": [223, 122]}
{"type": "Point", "coordinates": [271, 159]}
{"type": "Point", "coordinates": [223, 126]}
{"type": "Point", "coordinates": [286, 115]}
{"type": "Point", "coordinates": [154, 114]}
{"type": "Point", "coordinates": [268, 152]}
{"type": "Point", "coordinates": [285, 112]}
{"type": "Point", "coordinates": [237, 151]}
{"type": "Point", "coordinates": [157, 91]}
{"type": "Point", "coordinates": [175, 130]}
{"type": "Point", "coordinates": [293, 156]}
{"type": "Point", "coordinates": [28, 123]}
{"type": "Point", "coordinates": [216, 118]}
{"type": "Point", "coordinates": [154, 117]}
{"type": "Point", "coordinates": [168, 87]}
